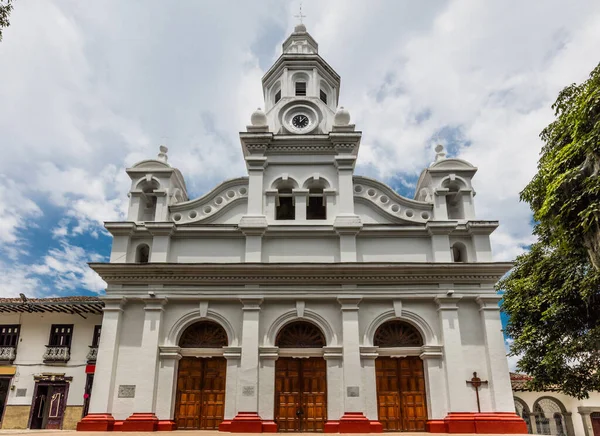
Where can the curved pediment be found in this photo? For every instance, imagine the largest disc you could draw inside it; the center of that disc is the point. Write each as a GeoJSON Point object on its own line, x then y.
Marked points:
{"type": "Point", "coordinates": [151, 163]}
{"type": "Point", "coordinates": [453, 164]}
{"type": "Point", "coordinates": [212, 205]}
{"type": "Point", "coordinates": [385, 201]}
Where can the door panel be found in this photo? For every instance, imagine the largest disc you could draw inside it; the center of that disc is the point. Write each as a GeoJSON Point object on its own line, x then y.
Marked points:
{"type": "Point", "coordinates": [300, 394]}
{"type": "Point", "coordinates": [57, 397]}
{"type": "Point", "coordinates": [200, 402]}
{"type": "Point", "coordinates": [401, 393]}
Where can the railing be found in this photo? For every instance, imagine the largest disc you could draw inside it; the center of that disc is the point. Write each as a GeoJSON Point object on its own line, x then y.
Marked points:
{"type": "Point", "coordinates": [56, 354]}
{"type": "Point", "coordinates": [92, 354]}
{"type": "Point", "coordinates": [8, 354]}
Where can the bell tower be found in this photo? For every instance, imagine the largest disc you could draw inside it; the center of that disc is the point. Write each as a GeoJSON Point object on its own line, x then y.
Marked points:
{"type": "Point", "coordinates": [301, 151]}
{"type": "Point", "coordinates": [300, 90]}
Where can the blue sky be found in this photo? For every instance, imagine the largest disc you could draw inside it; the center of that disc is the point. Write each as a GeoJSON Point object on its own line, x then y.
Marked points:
{"type": "Point", "coordinates": [89, 88]}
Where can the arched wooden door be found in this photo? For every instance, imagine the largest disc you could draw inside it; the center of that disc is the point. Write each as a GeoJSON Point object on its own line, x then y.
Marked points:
{"type": "Point", "coordinates": [595, 418]}
{"type": "Point", "coordinates": [401, 400]}
{"type": "Point", "coordinates": [300, 384]}
{"type": "Point", "coordinates": [200, 401]}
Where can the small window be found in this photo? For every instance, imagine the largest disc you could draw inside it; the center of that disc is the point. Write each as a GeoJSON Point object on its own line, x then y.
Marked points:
{"type": "Point", "coordinates": [278, 96]}
{"type": "Point", "coordinates": [316, 208]}
{"type": "Point", "coordinates": [300, 88]}
{"type": "Point", "coordinates": [323, 96]}
{"type": "Point", "coordinates": [9, 335]}
{"type": "Point", "coordinates": [96, 337]}
{"type": "Point", "coordinates": [459, 252]}
{"type": "Point", "coordinates": [286, 210]}
{"type": "Point", "coordinates": [60, 335]}
{"type": "Point", "coordinates": [142, 253]}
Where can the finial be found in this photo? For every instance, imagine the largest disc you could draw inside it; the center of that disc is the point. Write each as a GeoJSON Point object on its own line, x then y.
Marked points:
{"type": "Point", "coordinates": [342, 117]}
{"type": "Point", "coordinates": [440, 154]}
{"type": "Point", "coordinates": [162, 155]}
{"type": "Point", "coordinates": [300, 16]}
{"type": "Point", "coordinates": [258, 118]}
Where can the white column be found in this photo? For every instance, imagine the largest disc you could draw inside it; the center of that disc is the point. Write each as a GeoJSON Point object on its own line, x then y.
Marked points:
{"type": "Point", "coordinates": [454, 365]}
{"type": "Point", "coordinates": [345, 167]}
{"type": "Point", "coordinates": [353, 395]}
{"type": "Point", "coordinates": [300, 202]}
{"type": "Point", "coordinates": [256, 167]}
{"type": "Point", "coordinates": [440, 208]}
{"type": "Point", "coordinates": [266, 387]}
{"type": "Point", "coordinates": [335, 382]}
{"type": "Point", "coordinates": [147, 373]}
{"type": "Point", "coordinates": [435, 387]}
{"type": "Point", "coordinates": [440, 241]}
{"type": "Point", "coordinates": [161, 241]}
{"type": "Point", "coordinates": [248, 372]}
{"type": "Point", "coordinates": [135, 204]}
{"type": "Point", "coordinates": [167, 382]}
{"type": "Point", "coordinates": [162, 206]}
{"type": "Point", "coordinates": [497, 364]}
{"type": "Point", "coordinates": [103, 394]}
{"type": "Point", "coordinates": [232, 354]}
{"type": "Point", "coordinates": [368, 356]}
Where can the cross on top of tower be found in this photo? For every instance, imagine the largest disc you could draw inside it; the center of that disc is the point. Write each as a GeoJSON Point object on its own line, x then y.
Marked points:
{"type": "Point", "coordinates": [300, 16]}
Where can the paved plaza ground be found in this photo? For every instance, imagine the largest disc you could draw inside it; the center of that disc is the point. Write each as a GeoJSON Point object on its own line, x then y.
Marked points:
{"type": "Point", "coordinates": [190, 433]}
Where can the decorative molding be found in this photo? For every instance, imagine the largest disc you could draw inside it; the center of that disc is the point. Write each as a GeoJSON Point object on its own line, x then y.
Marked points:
{"type": "Point", "coordinates": [203, 308]}
{"type": "Point", "coordinates": [357, 273]}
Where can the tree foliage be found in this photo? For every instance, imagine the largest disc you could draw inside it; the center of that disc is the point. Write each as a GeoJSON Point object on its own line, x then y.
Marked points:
{"type": "Point", "coordinates": [552, 295]}
{"type": "Point", "coordinates": [5, 8]}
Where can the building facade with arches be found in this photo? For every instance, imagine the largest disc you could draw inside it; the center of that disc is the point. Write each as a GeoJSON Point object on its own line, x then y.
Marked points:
{"type": "Point", "coordinates": [302, 297]}
{"type": "Point", "coordinates": [554, 413]}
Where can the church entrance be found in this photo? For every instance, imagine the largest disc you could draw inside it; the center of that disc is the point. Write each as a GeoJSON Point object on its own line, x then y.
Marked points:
{"type": "Point", "coordinates": [200, 401]}
{"type": "Point", "coordinates": [400, 380]}
{"type": "Point", "coordinates": [300, 383]}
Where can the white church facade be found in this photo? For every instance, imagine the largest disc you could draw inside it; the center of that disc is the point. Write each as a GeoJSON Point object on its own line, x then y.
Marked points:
{"type": "Point", "coordinates": [302, 297]}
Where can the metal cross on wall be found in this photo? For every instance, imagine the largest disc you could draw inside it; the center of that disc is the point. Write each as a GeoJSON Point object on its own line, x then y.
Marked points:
{"type": "Point", "coordinates": [300, 16]}
{"type": "Point", "coordinates": [476, 382]}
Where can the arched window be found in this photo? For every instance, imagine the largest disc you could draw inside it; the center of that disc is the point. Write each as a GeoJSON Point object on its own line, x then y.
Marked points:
{"type": "Point", "coordinates": [549, 417]}
{"type": "Point", "coordinates": [142, 253]}
{"type": "Point", "coordinates": [397, 334]}
{"type": "Point", "coordinates": [316, 205]}
{"type": "Point", "coordinates": [300, 81]}
{"type": "Point", "coordinates": [285, 208]}
{"type": "Point", "coordinates": [300, 334]}
{"type": "Point", "coordinates": [147, 209]}
{"type": "Point", "coordinates": [276, 92]}
{"type": "Point", "coordinates": [454, 203]}
{"type": "Point", "coordinates": [325, 93]}
{"type": "Point", "coordinates": [204, 334]}
{"type": "Point", "coordinates": [523, 411]}
{"type": "Point", "coordinates": [459, 252]}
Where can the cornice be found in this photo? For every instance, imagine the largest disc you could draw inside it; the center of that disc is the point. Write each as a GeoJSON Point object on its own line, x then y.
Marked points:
{"type": "Point", "coordinates": [301, 273]}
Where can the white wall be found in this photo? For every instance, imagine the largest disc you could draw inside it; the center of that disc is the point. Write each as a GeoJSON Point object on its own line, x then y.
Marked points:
{"type": "Point", "coordinates": [34, 335]}
{"type": "Point", "coordinates": [210, 250]}
{"type": "Point", "coordinates": [301, 249]}
{"type": "Point", "coordinates": [388, 249]}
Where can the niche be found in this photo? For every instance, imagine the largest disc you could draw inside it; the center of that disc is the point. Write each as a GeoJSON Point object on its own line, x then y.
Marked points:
{"type": "Point", "coordinates": [459, 252]}
{"type": "Point", "coordinates": [142, 253]}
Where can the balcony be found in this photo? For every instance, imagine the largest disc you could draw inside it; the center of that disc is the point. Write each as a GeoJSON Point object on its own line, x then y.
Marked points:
{"type": "Point", "coordinates": [7, 354]}
{"type": "Point", "coordinates": [92, 354]}
{"type": "Point", "coordinates": [57, 354]}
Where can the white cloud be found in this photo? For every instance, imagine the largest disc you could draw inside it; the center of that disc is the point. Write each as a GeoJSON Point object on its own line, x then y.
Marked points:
{"type": "Point", "coordinates": [88, 90]}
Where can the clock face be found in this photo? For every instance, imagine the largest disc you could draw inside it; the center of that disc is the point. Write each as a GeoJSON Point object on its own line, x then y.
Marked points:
{"type": "Point", "coordinates": [300, 121]}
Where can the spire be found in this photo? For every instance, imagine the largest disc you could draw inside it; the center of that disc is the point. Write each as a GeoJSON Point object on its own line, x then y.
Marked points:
{"type": "Point", "coordinates": [300, 41]}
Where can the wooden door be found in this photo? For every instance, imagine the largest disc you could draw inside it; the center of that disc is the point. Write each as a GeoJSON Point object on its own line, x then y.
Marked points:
{"type": "Point", "coordinates": [57, 401]}
{"type": "Point", "coordinates": [595, 417]}
{"type": "Point", "coordinates": [300, 394]}
{"type": "Point", "coordinates": [200, 402]}
{"type": "Point", "coordinates": [401, 393]}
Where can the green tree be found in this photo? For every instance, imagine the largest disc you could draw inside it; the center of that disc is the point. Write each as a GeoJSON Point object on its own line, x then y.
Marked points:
{"type": "Point", "coordinates": [5, 8]}
{"type": "Point", "coordinates": [552, 295]}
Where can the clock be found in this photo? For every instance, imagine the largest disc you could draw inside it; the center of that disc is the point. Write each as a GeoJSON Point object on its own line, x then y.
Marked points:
{"type": "Point", "coordinates": [300, 121]}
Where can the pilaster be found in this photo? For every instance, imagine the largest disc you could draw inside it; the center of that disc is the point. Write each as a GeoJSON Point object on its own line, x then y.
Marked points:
{"type": "Point", "coordinates": [435, 386]}
{"type": "Point", "coordinates": [440, 240]}
{"type": "Point", "coordinates": [144, 405]}
{"type": "Point", "coordinates": [166, 387]}
{"type": "Point", "coordinates": [456, 388]}
{"type": "Point", "coordinates": [247, 419]}
{"type": "Point", "coordinates": [497, 365]}
{"type": "Point", "coordinates": [161, 241]}
{"type": "Point", "coordinates": [100, 416]}
{"type": "Point", "coordinates": [122, 233]}
{"type": "Point", "coordinates": [254, 229]}
{"type": "Point", "coordinates": [347, 227]}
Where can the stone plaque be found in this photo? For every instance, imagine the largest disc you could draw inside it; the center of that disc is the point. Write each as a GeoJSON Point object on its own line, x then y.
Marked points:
{"type": "Point", "coordinates": [22, 392]}
{"type": "Point", "coordinates": [248, 391]}
{"type": "Point", "coordinates": [126, 391]}
{"type": "Point", "coordinates": [352, 391]}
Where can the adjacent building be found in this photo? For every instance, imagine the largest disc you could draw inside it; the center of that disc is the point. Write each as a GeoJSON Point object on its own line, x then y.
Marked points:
{"type": "Point", "coordinates": [302, 297]}
{"type": "Point", "coordinates": [554, 413]}
{"type": "Point", "coordinates": [48, 350]}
